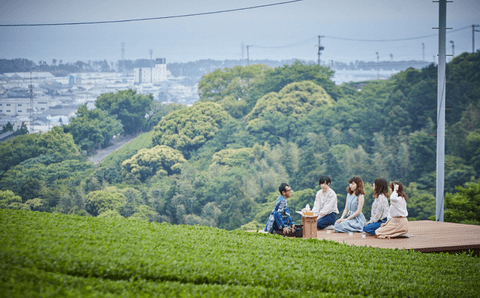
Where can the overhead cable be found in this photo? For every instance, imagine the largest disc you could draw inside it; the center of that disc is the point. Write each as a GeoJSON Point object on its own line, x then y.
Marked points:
{"type": "Point", "coordinates": [149, 19]}
{"type": "Point", "coordinates": [390, 40]}
{"type": "Point", "coordinates": [286, 46]}
{"type": "Point", "coordinates": [358, 40]}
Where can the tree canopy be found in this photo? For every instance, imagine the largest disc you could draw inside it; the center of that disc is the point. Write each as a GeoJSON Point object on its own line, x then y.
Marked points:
{"type": "Point", "coordinates": [230, 87]}
{"type": "Point", "coordinates": [158, 160]}
{"type": "Point", "coordinates": [464, 206]}
{"type": "Point", "coordinates": [235, 82]}
{"type": "Point", "coordinates": [276, 78]}
{"type": "Point", "coordinates": [279, 113]}
{"type": "Point", "coordinates": [16, 150]}
{"type": "Point", "coordinates": [93, 128]}
{"type": "Point", "coordinates": [57, 142]}
{"type": "Point", "coordinates": [188, 129]}
{"type": "Point", "coordinates": [128, 106]}
{"type": "Point", "coordinates": [161, 110]}
{"type": "Point", "coordinates": [296, 99]}
{"type": "Point", "coordinates": [101, 201]}
{"type": "Point", "coordinates": [7, 127]}
{"type": "Point", "coordinates": [7, 198]}
{"type": "Point", "coordinates": [233, 157]}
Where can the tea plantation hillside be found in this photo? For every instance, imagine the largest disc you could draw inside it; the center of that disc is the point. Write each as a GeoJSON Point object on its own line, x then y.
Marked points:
{"type": "Point", "coordinates": [56, 255]}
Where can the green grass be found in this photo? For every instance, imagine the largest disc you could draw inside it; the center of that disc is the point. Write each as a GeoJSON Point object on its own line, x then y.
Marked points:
{"type": "Point", "coordinates": [56, 255]}
{"type": "Point", "coordinates": [128, 150]}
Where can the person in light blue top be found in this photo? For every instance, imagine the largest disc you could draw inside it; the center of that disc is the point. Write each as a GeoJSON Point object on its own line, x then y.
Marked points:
{"type": "Point", "coordinates": [352, 219]}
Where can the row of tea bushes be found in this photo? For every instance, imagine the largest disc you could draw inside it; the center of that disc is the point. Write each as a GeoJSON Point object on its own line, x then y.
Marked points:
{"type": "Point", "coordinates": [45, 254]}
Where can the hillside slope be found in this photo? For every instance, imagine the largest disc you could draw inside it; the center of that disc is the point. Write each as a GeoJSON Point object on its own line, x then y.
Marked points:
{"type": "Point", "coordinates": [46, 254]}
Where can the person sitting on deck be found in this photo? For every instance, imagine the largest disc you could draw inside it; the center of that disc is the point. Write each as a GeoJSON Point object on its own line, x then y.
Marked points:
{"type": "Point", "coordinates": [325, 206]}
{"type": "Point", "coordinates": [355, 220]}
{"type": "Point", "coordinates": [279, 221]}
{"type": "Point", "coordinates": [379, 206]}
{"type": "Point", "coordinates": [397, 223]}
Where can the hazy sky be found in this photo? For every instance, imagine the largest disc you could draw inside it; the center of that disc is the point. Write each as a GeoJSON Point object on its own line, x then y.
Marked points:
{"type": "Point", "coordinates": [277, 32]}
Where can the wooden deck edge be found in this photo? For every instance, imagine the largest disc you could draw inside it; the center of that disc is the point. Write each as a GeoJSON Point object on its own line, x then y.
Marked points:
{"type": "Point", "coordinates": [474, 248]}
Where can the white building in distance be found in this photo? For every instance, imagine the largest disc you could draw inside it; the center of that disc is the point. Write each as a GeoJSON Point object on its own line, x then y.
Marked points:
{"type": "Point", "coordinates": [21, 106]}
{"type": "Point", "coordinates": [152, 75]}
{"type": "Point", "coordinates": [22, 76]}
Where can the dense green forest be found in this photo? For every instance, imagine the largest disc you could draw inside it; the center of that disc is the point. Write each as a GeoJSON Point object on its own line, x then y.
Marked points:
{"type": "Point", "coordinates": [220, 162]}
{"type": "Point", "coordinates": [56, 255]}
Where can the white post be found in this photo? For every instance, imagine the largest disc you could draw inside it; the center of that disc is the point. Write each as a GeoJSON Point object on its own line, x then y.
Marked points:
{"type": "Point", "coordinates": [442, 27]}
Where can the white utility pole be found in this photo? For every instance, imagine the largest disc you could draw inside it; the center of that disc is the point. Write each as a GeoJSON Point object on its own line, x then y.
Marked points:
{"type": "Point", "coordinates": [442, 32]}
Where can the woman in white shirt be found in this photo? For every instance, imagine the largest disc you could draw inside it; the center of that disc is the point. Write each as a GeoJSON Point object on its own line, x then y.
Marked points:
{"type": "Point", "coordinates": [325, 206]}
{"type": "Point", "coordinates": [379, 206]}
{"type": "Point", "coordinates": [397, 223]}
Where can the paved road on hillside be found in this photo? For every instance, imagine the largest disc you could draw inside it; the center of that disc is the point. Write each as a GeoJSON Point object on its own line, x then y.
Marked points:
{"type": "Point", "coordinates": [101, 154]}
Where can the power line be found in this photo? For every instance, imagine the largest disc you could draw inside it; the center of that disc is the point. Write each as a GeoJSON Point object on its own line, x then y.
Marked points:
{"type": "Point", "coordinates": [390, 40]}
{"type": "Point", "coordinates": [361, 40]}
{"type": "Point", "coordinates": [150, 19]}
{"type": "Point", "coordinates": [286, 46]}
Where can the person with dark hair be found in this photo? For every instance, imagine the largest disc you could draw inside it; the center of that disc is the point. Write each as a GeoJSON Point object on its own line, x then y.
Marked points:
{"type": "Point", "coordinates": [379, 206]}
{"type": "Point", "coordinates": [325, 206]}
{"type": "Point", "coordinates": [355, 220]}
{"type": "Point", "coordinates": [397, 223]}
{"type": "Point", "coordinates": [279, 221]}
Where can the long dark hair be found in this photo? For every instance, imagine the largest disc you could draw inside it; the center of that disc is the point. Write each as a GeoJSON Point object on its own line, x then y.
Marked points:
{"type": "Point", "coordinates": [360, 188]}
{"type": "Point", "coordinates": [381, 187]}
{"type": "Point", "coordinates": [401, 192]}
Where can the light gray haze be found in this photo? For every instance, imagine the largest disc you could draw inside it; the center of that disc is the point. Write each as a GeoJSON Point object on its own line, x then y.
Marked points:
{"type": "Point", "coordinates": [277, 32]}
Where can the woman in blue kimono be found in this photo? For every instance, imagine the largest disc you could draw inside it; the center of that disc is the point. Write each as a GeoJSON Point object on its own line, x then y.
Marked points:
{"type": "Point", "coordinates": [352, 219]}
{"type": "Point", "coordinates": [279, 220]}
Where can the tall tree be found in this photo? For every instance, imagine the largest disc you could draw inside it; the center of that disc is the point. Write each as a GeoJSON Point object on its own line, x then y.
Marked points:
{"type": "Point", "coordinates": [103, 200]}
{"type": "Point", "coordinates": [128, 106]}
{"type": "Point", "coordinates": [17, 150]}
{"type": "Point", "coordinates": [160, 110]}
{"type": "Point", "coordinates": [473, 149]}
{"type": "Point", "coordinates": [8, 197]}
{"type": "Point", "coordinates": [57, 142]}
{"type": "Point", "coordinates": [275, 79]}
{"type": "Point", "coordinates": [230, 87]}
{"type": "Point", "coordinates": [236, 81]}
{"type": "Point", "coordinates": [422, 155]}
{"type": "Point", "coordinates": [92, 128]}
{"type": "Point", "coordinates": [463, 84]}
{"type": "Point", "coordinates": [23, 129]}
{"type": "Point", "coordinates": [158, 160]}
{"type": "Point", "coordinates": [7, 127]}
{"type": "Point", "coordinates": [278, 114]}
{"type": "Point", "coordinates": [188, 129]}
{"type": "Point", "coordinates": [464, 206]}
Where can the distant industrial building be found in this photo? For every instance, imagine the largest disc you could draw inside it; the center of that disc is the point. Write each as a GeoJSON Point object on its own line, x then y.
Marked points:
{"type": "Point", "coordinates": [155, 74]}
{"type": "Point", "coordinates": [22, 76]}
{"type": "Point", "coordinates": [55, 99]}
{"type": "Point", "coordinates": [18, 92]}
{"type": "Point", "coordinates": [21, 106]}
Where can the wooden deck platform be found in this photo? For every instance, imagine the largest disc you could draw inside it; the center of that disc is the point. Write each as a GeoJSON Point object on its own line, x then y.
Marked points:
{"type": "Point", "coordinates": [425, 236]}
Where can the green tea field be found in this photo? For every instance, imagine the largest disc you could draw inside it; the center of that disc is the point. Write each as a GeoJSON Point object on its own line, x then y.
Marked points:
{"type": "Point", "coordinates": [56, 255]}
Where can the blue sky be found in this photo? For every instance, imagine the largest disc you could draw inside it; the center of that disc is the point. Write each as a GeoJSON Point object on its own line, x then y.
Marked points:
{"type": "Point", "coordinates": [278, 32]}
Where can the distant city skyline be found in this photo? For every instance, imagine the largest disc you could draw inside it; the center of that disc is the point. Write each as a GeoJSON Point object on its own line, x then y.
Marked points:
{"type": "Point", "coordinates": [282, 32]}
